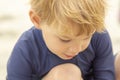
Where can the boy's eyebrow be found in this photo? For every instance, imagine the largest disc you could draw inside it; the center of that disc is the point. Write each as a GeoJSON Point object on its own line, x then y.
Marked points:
{"type": "Point", "coordinates": [88, 37]}
{"type": "Point", "coordinates": [70, 38]}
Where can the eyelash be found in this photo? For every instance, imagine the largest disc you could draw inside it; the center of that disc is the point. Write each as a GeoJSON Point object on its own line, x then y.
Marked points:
{"type": "Point", "coordinates": [65, 40]}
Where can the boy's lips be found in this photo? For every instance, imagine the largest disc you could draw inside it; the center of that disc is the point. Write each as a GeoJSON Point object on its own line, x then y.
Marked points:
{"type": "Point", "coordinates": [69, 56]}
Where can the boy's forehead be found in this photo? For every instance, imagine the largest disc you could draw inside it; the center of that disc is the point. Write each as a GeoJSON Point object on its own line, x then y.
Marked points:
{"type": "Point", "coordinates": [70, 30]}
{"type": "Point", "coordinates": [70, 36]}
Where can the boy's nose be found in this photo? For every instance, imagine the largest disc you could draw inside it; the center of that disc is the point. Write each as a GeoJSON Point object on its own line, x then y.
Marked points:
{"type": "Point", "coordinates": [75, 50]}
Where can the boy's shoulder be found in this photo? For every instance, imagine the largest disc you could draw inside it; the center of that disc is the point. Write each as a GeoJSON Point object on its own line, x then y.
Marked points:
{"type": "Point", "coordinates": [29, 42]}
{"type": "Point", "coordinates": [100, 39]}
{"type": "Point", "coordinates": [101, 35]}
{"type": "Point", "coordinates": [32, 38]}
{"type": "Point", "coordinates": [30, 34]}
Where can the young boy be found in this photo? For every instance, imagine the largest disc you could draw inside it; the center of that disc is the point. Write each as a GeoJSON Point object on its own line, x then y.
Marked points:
{"type": "Point", "coordinates": [65, 71]}
{"type": "Point", "coordinates": [64, 31]}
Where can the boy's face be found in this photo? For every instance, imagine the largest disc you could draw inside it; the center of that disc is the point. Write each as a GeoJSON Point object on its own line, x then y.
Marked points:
{"type": "Point", "coordinates": [65, 47]}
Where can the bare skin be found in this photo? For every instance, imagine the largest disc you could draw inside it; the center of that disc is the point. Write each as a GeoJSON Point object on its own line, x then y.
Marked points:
{"type": "Point", "coordinates": [66, 71]}
{"type": "Point", "coordinates": [117, 66]}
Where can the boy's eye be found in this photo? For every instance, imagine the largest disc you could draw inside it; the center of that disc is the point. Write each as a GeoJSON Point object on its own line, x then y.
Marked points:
{"type": "Point", "coordinates": [65, 40]}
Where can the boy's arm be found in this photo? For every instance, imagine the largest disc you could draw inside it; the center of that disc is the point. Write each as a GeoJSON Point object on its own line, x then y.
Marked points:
{"type": "Point", "coordinates": [19, 64]}
{"type": "Point", "coordinates": [104, 60]}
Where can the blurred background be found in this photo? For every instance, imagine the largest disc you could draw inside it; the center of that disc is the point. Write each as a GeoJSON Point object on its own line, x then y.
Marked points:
{"type": "Point", "coordinates": [14, 20]}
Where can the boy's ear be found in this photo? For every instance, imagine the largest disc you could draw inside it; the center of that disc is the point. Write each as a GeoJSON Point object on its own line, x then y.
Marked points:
{"type": "Point", "coordinates": [34, 18]}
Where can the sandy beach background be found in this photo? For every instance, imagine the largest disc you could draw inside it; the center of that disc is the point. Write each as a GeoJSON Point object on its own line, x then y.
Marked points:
{"type": "Point", "coordinates": [14, 21]}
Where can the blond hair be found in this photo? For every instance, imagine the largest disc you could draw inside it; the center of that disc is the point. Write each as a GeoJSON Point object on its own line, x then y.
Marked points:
{"type": "Point", "coordinates": [87, 14]}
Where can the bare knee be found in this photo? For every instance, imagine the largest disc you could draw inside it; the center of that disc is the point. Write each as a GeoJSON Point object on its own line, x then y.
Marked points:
{"type": "Point", "coordinates": [117, 66]}
{"type": "Point", "coordinates": [66, 71]}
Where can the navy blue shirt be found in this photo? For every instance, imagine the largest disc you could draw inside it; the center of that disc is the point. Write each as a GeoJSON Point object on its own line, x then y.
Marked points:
{"type": "Point", "coordinates": [31, 58]}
